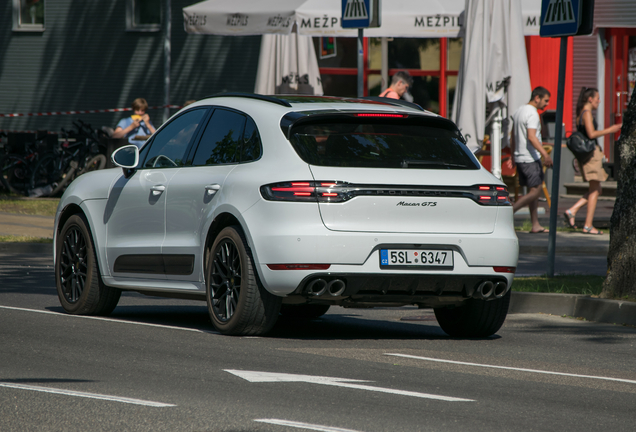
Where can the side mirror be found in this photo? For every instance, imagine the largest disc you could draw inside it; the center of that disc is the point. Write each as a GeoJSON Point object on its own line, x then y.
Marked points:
{"type": "Point", "coordinates": [126, 157]}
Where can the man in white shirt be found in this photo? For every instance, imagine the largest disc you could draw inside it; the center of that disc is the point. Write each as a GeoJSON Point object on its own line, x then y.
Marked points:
{"type": "Point", "coordinates": [527, 150]}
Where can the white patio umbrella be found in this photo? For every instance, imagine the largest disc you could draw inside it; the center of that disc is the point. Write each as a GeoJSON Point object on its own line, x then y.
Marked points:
{"type": "Point", "coordinates": [400, 18]}
{"type": "Point", "coordinates": [493, 70]}
{"type": "Point", "coordinates": [288, 65]}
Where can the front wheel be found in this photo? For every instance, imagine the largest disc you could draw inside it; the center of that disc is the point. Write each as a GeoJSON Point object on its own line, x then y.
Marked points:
{"type": "Point", "coordinates": [79, 283]}
{"type": "Point", "coordinates": [238, 304]}
{"type": "Point", "coordinates": [474, 319]}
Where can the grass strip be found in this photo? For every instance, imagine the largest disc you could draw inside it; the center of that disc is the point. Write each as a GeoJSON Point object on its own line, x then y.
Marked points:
{"type": "Point", "coordinates": [564, 284]}
{"type": "Point", "coordinates": [38, 207]}
{"type": "Point", "coordinates": [23, 239]}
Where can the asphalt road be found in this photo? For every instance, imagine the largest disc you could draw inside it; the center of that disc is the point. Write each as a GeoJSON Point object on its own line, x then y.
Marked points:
{"type": "Point", "coordinates": [157, 365]}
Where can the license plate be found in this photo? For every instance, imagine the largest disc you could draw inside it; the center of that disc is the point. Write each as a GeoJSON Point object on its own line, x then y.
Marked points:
{"type": "Point", "coordinates": [416, 258]}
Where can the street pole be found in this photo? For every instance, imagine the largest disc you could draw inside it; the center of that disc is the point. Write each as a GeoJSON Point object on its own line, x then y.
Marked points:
{"type": "Point", "coordinates": [360, 63]}
{"type": "Point", "coordinates": [556, 156]}
{"type": "Point", "coordinates": [166, 61]}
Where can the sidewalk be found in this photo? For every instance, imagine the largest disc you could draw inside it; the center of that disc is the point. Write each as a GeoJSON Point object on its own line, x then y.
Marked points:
{"type": "Point", "coordinates": [567, 243]}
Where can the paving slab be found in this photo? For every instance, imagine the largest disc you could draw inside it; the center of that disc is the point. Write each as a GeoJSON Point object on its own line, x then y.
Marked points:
{"type": "Point", "coordinates": [26, 225]}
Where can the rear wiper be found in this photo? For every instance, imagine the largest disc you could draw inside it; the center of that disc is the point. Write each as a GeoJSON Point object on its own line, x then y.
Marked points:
{"type": "Point", "coordinates": [406, 163]}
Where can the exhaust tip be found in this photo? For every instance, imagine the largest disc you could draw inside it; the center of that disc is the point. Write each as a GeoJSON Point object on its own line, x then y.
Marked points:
{"type": "Point", "coordinates": [501, 288]}
{"type": "Point", "coordinates": [336, 287]}
{"type": "Point", "coordinates": [484, 290]}
{"type": "Point", "coordinates": [316, 287]}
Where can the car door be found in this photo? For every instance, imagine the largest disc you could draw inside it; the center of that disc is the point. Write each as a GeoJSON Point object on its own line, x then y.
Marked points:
{"type": "Point", "coordinates": [135, 215]}
{"type": "Point", "coordinates": [197, 190]}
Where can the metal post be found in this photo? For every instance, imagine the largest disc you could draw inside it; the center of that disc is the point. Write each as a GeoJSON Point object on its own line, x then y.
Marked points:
{"type": "Point", "coordinates": [166, 65]}
{"type": "Point", "coordinates": [495, 144]}
{"type": "Point", "coordinates": [385, 62]}
{"type": "Point", "coordinates": [556, 156]}
{"type": "Point", "coordinates": [360, 63]}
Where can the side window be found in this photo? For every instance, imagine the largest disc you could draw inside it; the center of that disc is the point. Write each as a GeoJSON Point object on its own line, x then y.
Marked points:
{"type": "Point", "coordinates": [168, 148]}
{"type": "Point", "coordinates": [221, 141]}
{"type": "Point", "coordinates": [251, 149]}
{"type": "Point", "coordinates": [28, 15]}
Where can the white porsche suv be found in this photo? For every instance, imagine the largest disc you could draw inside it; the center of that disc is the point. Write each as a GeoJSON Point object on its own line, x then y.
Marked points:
{"type": "Point", "coordinates": [267, 206]}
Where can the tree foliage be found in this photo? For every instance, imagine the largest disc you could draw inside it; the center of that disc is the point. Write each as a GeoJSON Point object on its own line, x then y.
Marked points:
{"type": "Point", "coordinates": [621, 259]}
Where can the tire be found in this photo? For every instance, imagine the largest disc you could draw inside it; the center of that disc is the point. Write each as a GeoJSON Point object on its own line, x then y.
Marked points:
{"type": "Point", "coordinates": [237, 302]}
{"type": "Point", "coordinates": [78, 280]}
{"type": "Point", "coordinates": [475, 319]}
{"type": "Point", "coordinates": [303, 312]}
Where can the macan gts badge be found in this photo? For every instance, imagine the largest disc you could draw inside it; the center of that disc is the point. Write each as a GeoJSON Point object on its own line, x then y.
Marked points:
{"type": "Point", "coordinates": [286, 206]}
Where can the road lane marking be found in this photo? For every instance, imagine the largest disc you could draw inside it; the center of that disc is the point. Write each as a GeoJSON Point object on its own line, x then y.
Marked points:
{"type": "Point", "coordinates": [512, 368]}
{"type": "Point", "coordinates": [86, 395]}
{"type": "Point", "coordinates": [300, 425]}
{"type": "Point", "coordinates": [254, 376]}
{"type": "Point", "coordinates": [107, 319]}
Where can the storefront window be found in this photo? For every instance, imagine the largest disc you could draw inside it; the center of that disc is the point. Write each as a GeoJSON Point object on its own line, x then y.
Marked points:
{"type": "Point", "coordinates": [143, 15]}
{"type": "Point", "coordinates": [28, 15]}
{"type": "Point", "coordinates": [433, 64]}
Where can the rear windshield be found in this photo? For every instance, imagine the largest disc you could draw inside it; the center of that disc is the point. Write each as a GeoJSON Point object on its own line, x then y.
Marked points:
{"type": "Point", "coordinates": [381, 143]}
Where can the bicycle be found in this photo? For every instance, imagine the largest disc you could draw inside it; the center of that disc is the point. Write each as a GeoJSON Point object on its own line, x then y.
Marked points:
{"type": "Point", "coordinates": [16, 167]}
{"type": "Point", "coordinates": [79, 153]}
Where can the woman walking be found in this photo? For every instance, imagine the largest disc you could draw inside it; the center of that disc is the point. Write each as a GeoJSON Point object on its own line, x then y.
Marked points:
{"type": "Point", "coordinates": [592, 168]}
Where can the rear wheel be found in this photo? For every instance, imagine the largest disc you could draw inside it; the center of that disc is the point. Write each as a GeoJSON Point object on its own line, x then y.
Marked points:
{"type": "Point", "coordinates": [303, 312]}
{"type": "Point", "coordinates": [238, 304]}
{"type": "Point", "coordinates": [475, 319]}
{"type": "Point", "coordinates": [79, 283]}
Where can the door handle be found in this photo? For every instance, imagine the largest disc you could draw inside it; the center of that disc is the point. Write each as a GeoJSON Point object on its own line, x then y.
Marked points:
{"type": "Point", "coordinates": [157, 189]}
{"type": "Point", "coordinates": [211, 189]}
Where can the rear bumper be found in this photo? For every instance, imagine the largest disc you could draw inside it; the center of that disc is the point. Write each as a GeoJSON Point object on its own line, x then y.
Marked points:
{"type": "Point", "coordinates": [284, 233]}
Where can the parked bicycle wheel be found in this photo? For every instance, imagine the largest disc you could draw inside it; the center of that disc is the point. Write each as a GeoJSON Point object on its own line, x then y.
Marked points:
{"type": "Point", "coordinates": [15, 175]}
{"type": "Point", "coordinates": [45, 177]}
{"type": "Point", "coordinates": [93, 163]}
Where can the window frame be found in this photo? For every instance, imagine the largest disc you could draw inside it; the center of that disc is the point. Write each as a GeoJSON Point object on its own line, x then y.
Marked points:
{"type": "Point", "coordinates": [18, 26]}
{"type": "Point", "coordinates": [130, 19]}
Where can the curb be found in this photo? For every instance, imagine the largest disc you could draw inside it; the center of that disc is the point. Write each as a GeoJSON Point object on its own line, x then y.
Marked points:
{"type": "Point", "coordinates": [568, 250]}
{"type": "Point", "coordinates": [575, 305]}
{"type": "Point", "coordinates": [27, 248]}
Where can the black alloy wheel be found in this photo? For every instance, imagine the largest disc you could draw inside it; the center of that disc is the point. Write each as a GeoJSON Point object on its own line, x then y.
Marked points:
{"type": "Point", "coordinates": [73, 265]}
{"type": "Point", "coordinates": [80, 288]}
{"type": "Point", "coordinates": [225, 283]}
{"type": "Point", "coordinates": [237, 302]}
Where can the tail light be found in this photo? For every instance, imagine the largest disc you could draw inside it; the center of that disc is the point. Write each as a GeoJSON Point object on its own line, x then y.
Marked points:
{"type": "Point", "coordinates": [504, 269]}
{"type": "Point", "coordinates": [308, 191]}
{"type": "Point", "coordinates": [491, 195]}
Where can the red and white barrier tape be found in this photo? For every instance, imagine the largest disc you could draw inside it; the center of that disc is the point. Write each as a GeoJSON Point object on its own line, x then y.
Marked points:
{"type": "Point", "coordinates": [55, 113]}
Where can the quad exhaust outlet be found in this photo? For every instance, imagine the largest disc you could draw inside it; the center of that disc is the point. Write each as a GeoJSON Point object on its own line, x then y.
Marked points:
{"type": "Point", "coordinates": [320, 287]}
{"type": "Point", "coordinates": [488, 290]}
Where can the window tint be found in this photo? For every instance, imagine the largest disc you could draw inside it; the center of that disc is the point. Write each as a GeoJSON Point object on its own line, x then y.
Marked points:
{"type": "Point", "coordinates": [168, 148]}
{"type": "Point", "coordinates": [381, 143]}
{"type": "Point", "coordinates": [221, 140]}
{"type": "Point", "coordinates": [251, 150]}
